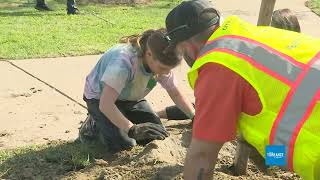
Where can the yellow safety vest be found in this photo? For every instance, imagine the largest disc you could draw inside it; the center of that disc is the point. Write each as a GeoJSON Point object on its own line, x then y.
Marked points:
{"type": "Point", "coordinates": [284, 69]}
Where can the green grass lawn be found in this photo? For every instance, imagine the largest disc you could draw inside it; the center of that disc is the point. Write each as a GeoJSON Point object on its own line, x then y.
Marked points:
{"type": "Point", "coordinates": [55, 159]}
{"type": "Point", "coordinates": [314, 5]}
{"type": "Point", "coordinates": [28, 33]}
{"type": "Point", "coordinates": [60, 156]}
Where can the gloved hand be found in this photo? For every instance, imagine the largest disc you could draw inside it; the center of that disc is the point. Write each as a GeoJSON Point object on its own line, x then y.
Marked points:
{"type": "Point", "coordinates": [147, 131]}
{"type": "Point", "coordinates": [174, 113]}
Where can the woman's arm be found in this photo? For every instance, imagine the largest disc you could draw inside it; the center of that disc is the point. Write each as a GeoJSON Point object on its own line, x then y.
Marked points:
{"type": "Point", "coordinates": [181, 101]}
{"type": "Point", "coordinates": [107, 106]}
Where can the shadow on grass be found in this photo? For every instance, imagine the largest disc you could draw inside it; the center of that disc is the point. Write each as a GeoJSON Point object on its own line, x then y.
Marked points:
{"type": "Point", "coordinates": [17, 8]}
{"type": "Point", "coordinates": [27, 8]}
{"type": "Point", "coordinates": [30, 13]}
{"type": "Point", "coordinates": [53, 160]}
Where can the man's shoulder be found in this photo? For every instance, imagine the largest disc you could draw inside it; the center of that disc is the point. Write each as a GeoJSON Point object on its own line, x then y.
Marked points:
{"type": "Point", "coordinates": [215, 68]}
{"type": "Point", "coordinates": [218, 76]}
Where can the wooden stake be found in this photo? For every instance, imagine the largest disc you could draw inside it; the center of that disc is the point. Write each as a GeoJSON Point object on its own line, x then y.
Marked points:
{"type": "Point", "coordinates": [266, 10]}
{"type": "Point", "coordinates": [241, 157]}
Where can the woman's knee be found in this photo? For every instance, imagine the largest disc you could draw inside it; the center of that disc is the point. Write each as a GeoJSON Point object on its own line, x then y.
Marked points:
{"type": "Point", "coordinates": [115, 139]}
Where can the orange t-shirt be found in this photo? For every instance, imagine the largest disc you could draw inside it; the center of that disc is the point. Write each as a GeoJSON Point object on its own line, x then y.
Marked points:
{"type": "Point", "coordinates": [221, 95]}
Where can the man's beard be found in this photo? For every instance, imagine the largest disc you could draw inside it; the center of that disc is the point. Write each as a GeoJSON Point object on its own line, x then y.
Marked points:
{"type": "Point", "coordinates": [188, 59]}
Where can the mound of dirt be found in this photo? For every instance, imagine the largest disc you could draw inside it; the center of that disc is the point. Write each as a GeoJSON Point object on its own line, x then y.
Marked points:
{"type": "Point", "coordinates": [157, 160]}
{"type": "Point", "coordinates": [167, 151]}
{"type": "Point", "coordinates": [163, 160]}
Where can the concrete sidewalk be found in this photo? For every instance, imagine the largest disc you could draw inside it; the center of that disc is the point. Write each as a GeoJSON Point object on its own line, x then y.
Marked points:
{"type": "Point", "coordinates": [34, 113]}
{"type": "Point", "coordinates": [249, 10]}
{"type": "Point", "coordinates": [68, 74]}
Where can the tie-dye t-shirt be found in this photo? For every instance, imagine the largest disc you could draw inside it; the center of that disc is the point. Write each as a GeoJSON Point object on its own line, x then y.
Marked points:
{"type": "Point", "coordinates": [121, 69]}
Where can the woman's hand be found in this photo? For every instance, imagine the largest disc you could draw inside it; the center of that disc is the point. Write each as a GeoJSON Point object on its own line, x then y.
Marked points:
{"type": "Point", "coordinates": [182, 102]}
{"type": "Point", "coordinates": [147, 131]}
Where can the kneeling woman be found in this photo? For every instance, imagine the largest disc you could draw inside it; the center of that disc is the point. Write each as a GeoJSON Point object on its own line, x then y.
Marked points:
{"type": "Point", "coordinates": [115, 89]}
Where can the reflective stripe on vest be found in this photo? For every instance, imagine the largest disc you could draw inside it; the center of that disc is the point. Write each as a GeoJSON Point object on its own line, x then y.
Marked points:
{"type": "Point", "coordinates": [303, 80]}
{"type": "Point", "coordinates": [297, 108]}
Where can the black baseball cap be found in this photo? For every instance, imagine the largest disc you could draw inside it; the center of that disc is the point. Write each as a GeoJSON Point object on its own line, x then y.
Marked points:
{"type": "Point", "coordinates": [190, 18]}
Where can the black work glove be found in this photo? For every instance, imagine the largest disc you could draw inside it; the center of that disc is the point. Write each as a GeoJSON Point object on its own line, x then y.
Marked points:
{"type": "Point", "coordinates": [174, 113]}
{"type": "Point", "coordinates": [147, 131]}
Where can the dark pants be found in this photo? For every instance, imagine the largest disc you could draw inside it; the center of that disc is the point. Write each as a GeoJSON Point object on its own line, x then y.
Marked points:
{"type": "Point", "coordinates": [115, 139]}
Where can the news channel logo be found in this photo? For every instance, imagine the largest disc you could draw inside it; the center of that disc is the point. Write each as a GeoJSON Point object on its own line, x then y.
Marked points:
{"type": "Point", "coordinates": [276, 155]}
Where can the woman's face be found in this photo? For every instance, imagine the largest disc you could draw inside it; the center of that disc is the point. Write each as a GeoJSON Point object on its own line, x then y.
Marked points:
{"type": "Point", "coordinates": [155, 65]}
